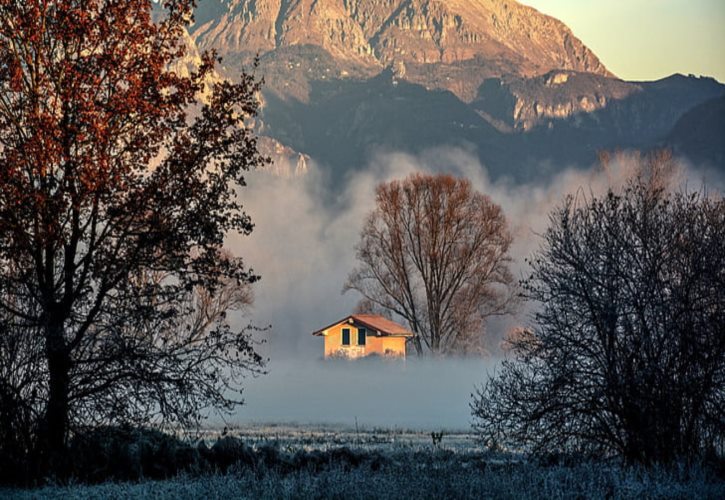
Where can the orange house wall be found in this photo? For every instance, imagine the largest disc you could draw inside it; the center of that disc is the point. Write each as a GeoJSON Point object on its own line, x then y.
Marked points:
{"type": "Point", "coordinates": [391, 346]}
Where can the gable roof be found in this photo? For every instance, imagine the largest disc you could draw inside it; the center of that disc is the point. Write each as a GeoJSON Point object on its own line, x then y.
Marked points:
{"type": "Point", "coordinates": [375, 322]}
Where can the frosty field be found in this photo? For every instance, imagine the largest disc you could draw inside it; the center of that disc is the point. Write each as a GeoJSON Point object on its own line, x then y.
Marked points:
{"type": "Point", "coordinates": [304, 461]}
{"type": "Point", "coordinates": [293, 437]}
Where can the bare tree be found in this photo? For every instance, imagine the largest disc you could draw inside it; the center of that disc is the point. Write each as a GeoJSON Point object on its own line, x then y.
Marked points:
{"type": "Point", "coordinates": [434, 252]}
{"type": "Point", "coordinates": [627, 356]}
{"type": "Point", "coordinates": [23, 383]}
{"type": "Point", "coordinates": [165, 367]}
{"type": "Point", "coordinates": [114, 205]}
{"type": "Point", "coordinates": [168, 362]}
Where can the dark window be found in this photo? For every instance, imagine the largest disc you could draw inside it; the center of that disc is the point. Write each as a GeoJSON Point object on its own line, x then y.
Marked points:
{"type": "Point", "coordinates": [361, 334]}
{"type": "Point", "coordinates": [345, 336]}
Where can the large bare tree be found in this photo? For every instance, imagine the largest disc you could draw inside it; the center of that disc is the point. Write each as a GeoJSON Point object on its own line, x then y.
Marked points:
{"type": "Point", "coordinates": [627, 354]}
{"type": "Point", "coordinates": [434, 252]}
{"type": "Point", "coordinates": [114, 204]}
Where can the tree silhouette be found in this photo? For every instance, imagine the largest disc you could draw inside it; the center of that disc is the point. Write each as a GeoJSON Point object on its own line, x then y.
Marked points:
{"type": "Point", "coordinates": [627, 355]}
{"type": "Point", "coordinates": [114, 205]}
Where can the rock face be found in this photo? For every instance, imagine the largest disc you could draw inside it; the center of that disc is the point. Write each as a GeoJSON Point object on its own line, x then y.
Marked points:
{"type": "Point", "coordinates": [524, 103]}
{"type": "Point", "coordinates": [451, 31]}
{"type": "Point", "coordinates": [286, 162]}
{"type": "Point", "coordinates": [260, 26]}
{"type": "Point", "coordinates": [191, 62]}
{"type": "Point", "coordinates": [451, 44]}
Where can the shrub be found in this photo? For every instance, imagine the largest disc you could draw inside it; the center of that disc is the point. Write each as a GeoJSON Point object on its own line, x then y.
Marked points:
{"type": "Point", "coordinates": [628, 354]}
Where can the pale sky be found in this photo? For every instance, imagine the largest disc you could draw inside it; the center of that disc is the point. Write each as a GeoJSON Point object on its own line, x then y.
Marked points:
{"type": "Point", "coordinates": [648, 39]}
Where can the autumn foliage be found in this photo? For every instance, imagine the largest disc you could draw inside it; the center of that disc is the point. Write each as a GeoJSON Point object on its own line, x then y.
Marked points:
{"type": "Point", "coordinates": [116, 191]}
{"type": "Point", "coordinates": [435, 253]}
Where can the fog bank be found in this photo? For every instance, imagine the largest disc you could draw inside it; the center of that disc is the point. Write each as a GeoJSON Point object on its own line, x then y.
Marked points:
{"type": "Point", "coordinates": [303, 246]}
{"type": "Point", "coordinates": [306, 230]}
{"type": "Point", "coordinates": [412, 394]}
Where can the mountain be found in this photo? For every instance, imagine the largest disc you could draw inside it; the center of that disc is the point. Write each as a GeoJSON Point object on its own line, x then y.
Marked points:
{"type": "Point", "coordinates": [700, 133]}
{"type": "Point", "coordinates": [523, 103]}
{"type": "Point", "coordinates": [345, 79]}
{"type": "Point", "coordinates": [514, 129]}
{"type": "Point", "coordinates": [451, 44]}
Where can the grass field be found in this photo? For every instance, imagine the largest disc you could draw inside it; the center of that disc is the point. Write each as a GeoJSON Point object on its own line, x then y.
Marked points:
{"type": "Point", "coordinates": [395, 463]}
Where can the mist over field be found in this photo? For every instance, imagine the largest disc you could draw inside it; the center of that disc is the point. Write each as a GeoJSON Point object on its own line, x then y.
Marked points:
{"type": "Point", "coordinates": [430, 394]}
{"type": "Point", "coordinates": [303, 246]}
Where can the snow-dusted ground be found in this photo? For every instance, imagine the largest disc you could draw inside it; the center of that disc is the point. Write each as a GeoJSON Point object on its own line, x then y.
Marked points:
{"type": "Point", "coordinates": [400, 463]}
{"type": "Point", "coordinates": [410, 481]}
{"type": "Point", "coordinates": [323, 437]}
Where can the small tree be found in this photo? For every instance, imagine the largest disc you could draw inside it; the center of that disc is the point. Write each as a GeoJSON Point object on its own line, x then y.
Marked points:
{"type": "Point", "coordinates": [434, 252]}
{"type": "Point", "coordinates": [628, 353]}
{"type": "Point", "coordinates": [114, 205]}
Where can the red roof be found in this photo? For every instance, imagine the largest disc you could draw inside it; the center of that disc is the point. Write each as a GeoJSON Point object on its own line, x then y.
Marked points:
{"type": "Point", "coordinates": [381, 324]}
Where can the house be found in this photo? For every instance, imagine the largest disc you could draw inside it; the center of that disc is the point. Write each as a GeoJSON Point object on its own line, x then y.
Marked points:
{"type": "Point", "coordinates": [361, 335]}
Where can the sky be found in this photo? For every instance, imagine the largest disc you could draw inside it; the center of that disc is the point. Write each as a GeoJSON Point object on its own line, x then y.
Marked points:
{"type": "Point", "coordinates": [648, 39]}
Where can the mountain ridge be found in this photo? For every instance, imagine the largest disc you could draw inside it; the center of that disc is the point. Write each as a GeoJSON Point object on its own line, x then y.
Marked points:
{"type": "Point", "coordinates": [431, 38]}
{"type": "Point", "coordinates": [346, 78]}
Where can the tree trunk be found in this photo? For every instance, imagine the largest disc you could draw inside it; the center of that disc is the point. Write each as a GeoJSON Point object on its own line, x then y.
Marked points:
{"type": "Point", "coordinates": [55, 425]}
{"type": "Point", "coordinates": [418, 346]}
{"type": "Point", "coordinates": [56, 415]}
{"type": "Point", "coordinates": [416, 339]}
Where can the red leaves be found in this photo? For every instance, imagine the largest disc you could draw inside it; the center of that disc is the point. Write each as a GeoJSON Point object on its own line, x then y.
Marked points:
{"type": "Point", "coordinates": [83, 83]}
{"type": "Point", "coordinates": [15, 73]}
{"type": "Point", "coordinates": [87, 101]}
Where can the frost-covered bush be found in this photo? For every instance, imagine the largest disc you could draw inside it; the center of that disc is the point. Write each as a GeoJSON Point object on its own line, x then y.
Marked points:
{"type": "Point", "coordinates": [132, 454]}
{"type": "Point", "coordinates": [282, 466]}
{"type": "Point", "coordinates": [627, 354]}
{"type": "Point", "coordinates": [229, 450]}
{"type": "Point", "coordinates": [125, 453]}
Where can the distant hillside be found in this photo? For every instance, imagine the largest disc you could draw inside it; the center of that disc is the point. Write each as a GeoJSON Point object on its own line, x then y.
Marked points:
{"type": "Point", "coordinates": [700, 133]}
{"type": "Point", "coordinates": [513, 132]}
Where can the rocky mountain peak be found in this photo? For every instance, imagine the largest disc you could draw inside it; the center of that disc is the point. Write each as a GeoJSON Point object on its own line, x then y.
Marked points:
{"type": "Point", "coordinates": [436, 40]}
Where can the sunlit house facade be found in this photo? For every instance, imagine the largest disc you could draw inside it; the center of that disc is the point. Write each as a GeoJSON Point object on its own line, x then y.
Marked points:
{"type": "Point", "coordinates": [360, 335]}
